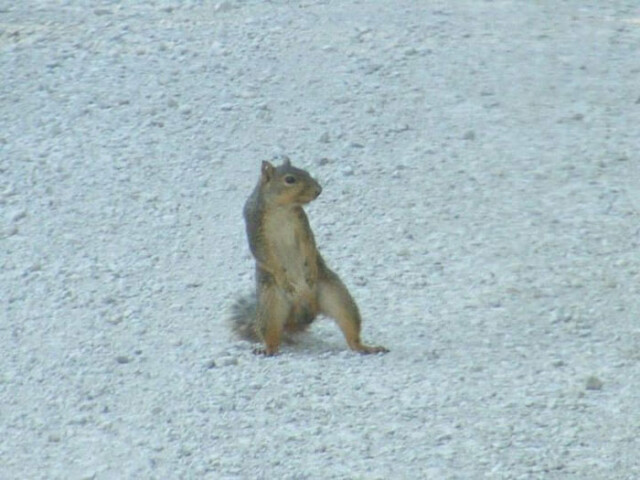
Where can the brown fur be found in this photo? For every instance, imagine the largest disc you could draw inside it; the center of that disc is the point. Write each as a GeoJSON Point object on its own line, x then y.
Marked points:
{"type": "Point", "coordinates": [293, 283]}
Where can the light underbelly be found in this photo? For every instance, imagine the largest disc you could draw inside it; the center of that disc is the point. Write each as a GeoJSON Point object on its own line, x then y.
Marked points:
{"type": "Point", "coordinates": [296, 258]}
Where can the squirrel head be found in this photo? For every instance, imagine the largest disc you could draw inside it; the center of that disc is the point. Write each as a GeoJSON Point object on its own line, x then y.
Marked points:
{"type": "Point", "coordinates": [287, 185]}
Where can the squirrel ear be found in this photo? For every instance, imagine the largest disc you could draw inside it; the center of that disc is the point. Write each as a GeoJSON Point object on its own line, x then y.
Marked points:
{"type": "Point", "coordinates": [267, 171]}
{"type": "Point", "coordinates": [286, 161]}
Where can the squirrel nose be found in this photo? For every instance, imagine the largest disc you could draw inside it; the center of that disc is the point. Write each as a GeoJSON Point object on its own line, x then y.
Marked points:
{"type": "Point", "coordinates": [318, 190]}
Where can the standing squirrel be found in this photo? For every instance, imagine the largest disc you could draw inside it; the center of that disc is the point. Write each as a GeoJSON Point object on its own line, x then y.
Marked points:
{"type": "Point", "coordinates": [293, 283]}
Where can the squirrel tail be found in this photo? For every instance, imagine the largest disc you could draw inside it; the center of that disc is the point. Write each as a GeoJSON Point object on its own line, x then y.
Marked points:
{"type": "Point", "coordinates": [243, 318]}
{"type": "Point", "coordinates": [243, 321]}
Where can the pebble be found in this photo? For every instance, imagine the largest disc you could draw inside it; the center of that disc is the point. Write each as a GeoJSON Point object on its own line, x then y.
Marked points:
{"type": "Point", "coordinates": [18, 215]}
{"type": "Point", "coordinates": [594, 383]}
{"type": "Point", "coordinates": [228, 361]}
{"type": "Point", "coordinates": [210, 364]}
{"type": "Point", "coordinates": [223, 7]}
{"type": "Point", "coordinates": [347, 170]}
{"type": "Point", "coordinates": [9, 232]}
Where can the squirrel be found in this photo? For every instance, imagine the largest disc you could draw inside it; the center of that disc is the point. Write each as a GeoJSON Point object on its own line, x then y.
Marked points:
{"type": "Point", "coordinates": [293, 282]}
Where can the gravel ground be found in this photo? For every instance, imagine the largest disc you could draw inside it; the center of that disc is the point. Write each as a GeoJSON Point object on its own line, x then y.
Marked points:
{"type": "Point", "coordinates": [480, 169]}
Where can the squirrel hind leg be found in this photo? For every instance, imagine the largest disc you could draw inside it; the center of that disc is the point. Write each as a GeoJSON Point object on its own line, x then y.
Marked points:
{"type": "Point", "coordinates": [272, 313]}
{"type": "Point", "coordinates": [336, 302]}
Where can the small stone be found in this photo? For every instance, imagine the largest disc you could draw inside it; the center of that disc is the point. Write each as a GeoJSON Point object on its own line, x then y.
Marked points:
{"type": "Point", "coordinates": [561, 315]}
{"type": "Point", "coordinates": [211, 364]}
{"type": "Point", "coordinates": [470, 135]}
{"type": "Point", "coordinates": [19, 215]}
{"type": "Point", "coordinates": [10, 191]}
{"type": "Point", "coordinates": [34, 267]}
{"type": "Point", "coordinates": [123, 359]}
{"type": "Point", "coordinates": [264, 115]}
{"type": "Point", "coordinates": [399, 128]}
{"type": "Point", "coordinates": [184, 452]}
{"type": "Point", "coordinates": [360, 281]}
{"type": "Point", "coordinates": [115, 320]}
{"type": "Point", "coordinates": [594, 383]}
{"type": "Point", "coordinates": [247, 94]}
{"type": "Point", "coordinates": [229, 361]}
{"type": "Point", "coordinates": [223, 7]}
{"type": "Point", "coordinates": [372, 68]}
{"type": "Point", "coordinates": [445, 438]}
{"type": "Point", "coordinates": [10, 232]}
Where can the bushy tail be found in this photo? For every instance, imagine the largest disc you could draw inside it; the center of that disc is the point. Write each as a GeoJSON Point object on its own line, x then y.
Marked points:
{"type": "Point", "coordinates": [243, 318]}
{"type": "Point", "coordinates": [243, 321]}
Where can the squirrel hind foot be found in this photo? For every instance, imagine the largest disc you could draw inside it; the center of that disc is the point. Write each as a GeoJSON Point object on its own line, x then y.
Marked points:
{"type": "Point", "coordinates": [265, 352]}
{"type": "Point", "coordinates": [370, 349]}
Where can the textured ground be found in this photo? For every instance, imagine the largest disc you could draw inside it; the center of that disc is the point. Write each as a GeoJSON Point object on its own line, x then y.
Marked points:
{"type": "Point", "coordinates": [481, 199]}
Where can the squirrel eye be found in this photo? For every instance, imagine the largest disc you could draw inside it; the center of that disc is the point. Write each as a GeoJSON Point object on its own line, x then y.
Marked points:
{"type": "Point", "coordinates": [290, 179]}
